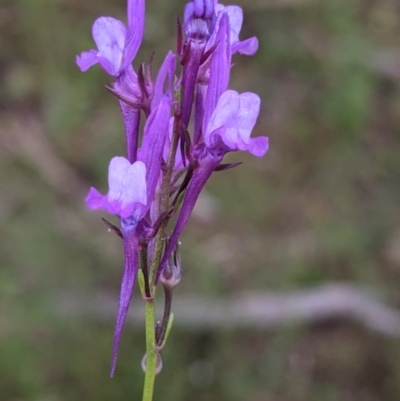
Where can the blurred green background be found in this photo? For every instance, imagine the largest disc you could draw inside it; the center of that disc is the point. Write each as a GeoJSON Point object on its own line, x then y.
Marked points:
{"type": "Point", "coordinates": [321, 207]}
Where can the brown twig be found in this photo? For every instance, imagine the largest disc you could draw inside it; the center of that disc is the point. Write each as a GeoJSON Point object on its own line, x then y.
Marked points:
{"type": "Point", "coordinates": [263, 310]}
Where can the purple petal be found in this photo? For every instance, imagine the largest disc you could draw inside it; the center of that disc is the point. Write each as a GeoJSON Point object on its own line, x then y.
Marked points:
{"type": "Point", "coordinates": [136, 13]}
{"type": "Point", "coordinates": [188, 13]}
{"type": "Point", "coordinates": [237, 114]}
{"type": "Point", "coordinates": [258, 146]}
{"type": "Point", "coordinates": [95, 200]}
{"type": "Point", "coordinates": [127, 187]}
{"type": "Point", "coordinates": [198, 6]}
{"type": "Point", "coordinates": [235, 15]}
{"type": "Point", "coordinates": [155, 132]}
{"type": "Point", "coordinates": [232, 115]}
{"type": "Point", "coordinates": [110, 37]}
{"type": "Point", "coordinates": [247, 47]}
{"type": "Point", "coordinates": [131, 243]}
{"type": "Point", "coordinates": [87, 59]}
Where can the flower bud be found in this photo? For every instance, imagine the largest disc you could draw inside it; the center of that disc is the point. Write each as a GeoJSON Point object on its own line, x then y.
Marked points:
{"type": "Point", "coordinates": [199, 19]}
{"type": "Point", "coordinates": [172, 272]}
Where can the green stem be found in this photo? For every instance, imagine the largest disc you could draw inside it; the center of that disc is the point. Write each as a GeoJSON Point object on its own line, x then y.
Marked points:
{"type": "Point", "coordinates": [151, 354]}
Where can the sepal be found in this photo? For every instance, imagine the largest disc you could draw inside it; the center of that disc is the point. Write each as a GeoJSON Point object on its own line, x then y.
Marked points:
{"type": "Point", "coordinates": [112, 228]}
{"type": "Point", "coordinates": [227, 166]}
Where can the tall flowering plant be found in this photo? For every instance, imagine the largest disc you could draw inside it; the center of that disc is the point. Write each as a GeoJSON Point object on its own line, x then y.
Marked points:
{"type": "Point", "coordinates": [163, 174]}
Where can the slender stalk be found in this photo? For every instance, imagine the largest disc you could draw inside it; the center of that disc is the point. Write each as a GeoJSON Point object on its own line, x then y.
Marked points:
{"type": "Point", "coordinates": [166, 315]}
{"type": "Point", "coordinates": [151, 353]}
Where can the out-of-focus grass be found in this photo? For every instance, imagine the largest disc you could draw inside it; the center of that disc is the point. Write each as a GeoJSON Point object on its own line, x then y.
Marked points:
{"type": "Point", "coordinates": [321, 206]}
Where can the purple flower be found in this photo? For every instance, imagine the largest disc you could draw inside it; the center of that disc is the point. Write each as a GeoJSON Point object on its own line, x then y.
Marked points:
{"type": "Point", "coordinates": [130, 195]}
{"type": "Point", "coordinates": [235, 14]}
{"type": "Point", "coordinates": [229, 117]}
{"type": "Point", "coordinates": [127, 198]}
{"type": "Point", "coordinates": [233, 120]}
{"type": "Point", "coordinates": [127, 189]}
{"type": "Point", "coordinates": [117, 46]}
{"type": "Point", "coordinates": [228, 130]}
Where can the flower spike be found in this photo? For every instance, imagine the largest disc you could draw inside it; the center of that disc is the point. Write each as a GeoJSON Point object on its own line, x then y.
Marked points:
{"type": "Point", "coordinates": [171, 160]}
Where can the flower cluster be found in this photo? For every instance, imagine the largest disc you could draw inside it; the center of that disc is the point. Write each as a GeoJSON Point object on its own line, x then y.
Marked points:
{"type": "Point", "coordinates": [163, 174]}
